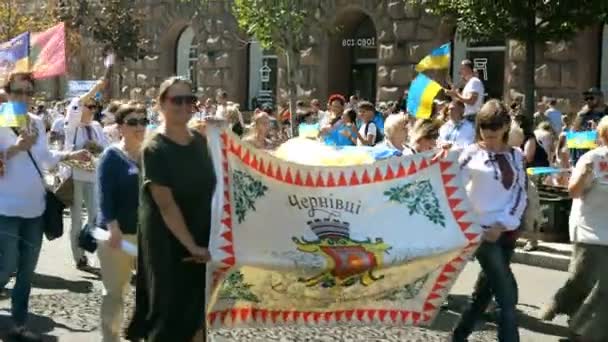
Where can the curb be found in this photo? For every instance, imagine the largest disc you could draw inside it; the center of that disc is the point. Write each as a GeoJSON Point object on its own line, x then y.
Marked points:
{"type": "Point", "coordinates": [553, 261]}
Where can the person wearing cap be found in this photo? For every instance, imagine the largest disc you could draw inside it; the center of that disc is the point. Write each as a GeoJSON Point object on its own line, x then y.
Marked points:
{"type": "Point", "coordinates": [589, 116]}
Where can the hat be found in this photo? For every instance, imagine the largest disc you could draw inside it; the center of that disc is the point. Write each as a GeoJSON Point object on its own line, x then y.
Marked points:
{"type": "Point", "coordinates": [593, 91]}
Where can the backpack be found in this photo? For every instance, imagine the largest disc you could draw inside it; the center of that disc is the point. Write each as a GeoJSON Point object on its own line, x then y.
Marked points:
{"type": "Point", "coordinates": [379, 135]}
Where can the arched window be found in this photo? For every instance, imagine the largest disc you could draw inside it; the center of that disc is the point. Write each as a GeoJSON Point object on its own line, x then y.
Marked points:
{"type": "Point", "coordinates": [187, 56]}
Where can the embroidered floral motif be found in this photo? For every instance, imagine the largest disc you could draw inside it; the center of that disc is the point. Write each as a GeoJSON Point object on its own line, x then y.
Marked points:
{"type": "Point", "coordinates": [420, 198]}
{"type": "Point", "coordinates": [246, 191]}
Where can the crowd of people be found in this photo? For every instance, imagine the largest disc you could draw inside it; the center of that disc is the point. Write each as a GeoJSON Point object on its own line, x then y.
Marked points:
{"type": "Point", "coordinates": [153, 182]}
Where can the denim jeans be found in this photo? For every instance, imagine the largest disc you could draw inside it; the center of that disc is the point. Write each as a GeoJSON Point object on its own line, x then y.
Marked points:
{"type": "Point", "coordinates": [495, 280]}
{"type": "Point", "coordinates": [20, 242]}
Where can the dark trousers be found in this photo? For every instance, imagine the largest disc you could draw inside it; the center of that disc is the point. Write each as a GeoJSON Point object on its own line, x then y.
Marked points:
{"type": "Point", "coordinates": [495, 280]}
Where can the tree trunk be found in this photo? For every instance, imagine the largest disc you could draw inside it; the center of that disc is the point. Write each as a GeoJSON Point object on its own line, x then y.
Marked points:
{"type": "Point", "coordinates": [530, 66]}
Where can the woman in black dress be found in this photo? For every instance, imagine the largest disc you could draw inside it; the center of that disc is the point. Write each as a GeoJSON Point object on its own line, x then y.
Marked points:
{"type": "Point", "coordinates": [175, 217]}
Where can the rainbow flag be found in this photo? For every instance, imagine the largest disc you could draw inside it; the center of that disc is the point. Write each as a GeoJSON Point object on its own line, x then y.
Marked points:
{"type": "Point", "coordinates": [13, 114]}
{"type": "Point", "coordinates": [581, 140]}
{"type": "Point", "coordinates": [47, 52]}
{"type": "Point", "coordinates": [438, 59]}
{"type": "Point", "coordinates": [421, 95]}
{"type": "Point", "coordinates": [14, 55]}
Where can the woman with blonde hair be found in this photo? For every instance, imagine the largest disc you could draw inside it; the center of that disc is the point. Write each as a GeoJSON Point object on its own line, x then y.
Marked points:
{"type": "Point", "coordinates": [259, 129]}
{"type": "Point", "coordinates": [395, 132]}
{"type": "Point", "coordinates": [423, 137]}
{"type": "Point", "coordinates": [178, 182]}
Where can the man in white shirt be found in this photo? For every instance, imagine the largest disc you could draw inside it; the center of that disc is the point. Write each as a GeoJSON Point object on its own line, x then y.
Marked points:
{"type": "Point", "coordinates": [457, 131]}
{"type": "Point", "coordinates": [22, 201]}
{"type": "Point", "coordinates": [473, 93]}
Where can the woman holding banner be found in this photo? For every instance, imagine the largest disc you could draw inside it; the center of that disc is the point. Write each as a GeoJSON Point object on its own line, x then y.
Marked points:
{"type": "Point", "coordinates": [496, 185]}
{"type": "Point", "coordinates": [175, 218]}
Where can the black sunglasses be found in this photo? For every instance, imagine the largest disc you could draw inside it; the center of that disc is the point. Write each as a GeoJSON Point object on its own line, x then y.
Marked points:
{"type": "Point", "coordinates": [20, 92]}
{"type": "Point", "coordinates": [134, 122]}
{"type": "Point", "coordinates": [589, 98]}
{"type": "Point", "coordinates": [183, 99]}
{"type": "Point", "coordinates": [91, 106]}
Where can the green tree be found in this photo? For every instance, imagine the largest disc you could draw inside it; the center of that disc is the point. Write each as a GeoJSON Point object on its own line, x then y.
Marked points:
{"type": "Point", "coordinates": [529, 21]}
{"type": "Point", "coordinates": [115, 24]}
{"type": "Point", "coordinates": [282, 26]}
{"type": "Point", "coordinates": [16, 18]}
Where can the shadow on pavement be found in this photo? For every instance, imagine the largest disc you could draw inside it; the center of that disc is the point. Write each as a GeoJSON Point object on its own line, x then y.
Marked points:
{"type": "Point", "coordinates": [456, 304]}
{"type": "Point", "coordinates": [38, 324]}
{"type": "Point", "coordinates": [43, 281]}
{"type": "Point", "coordinates": [450, 314]}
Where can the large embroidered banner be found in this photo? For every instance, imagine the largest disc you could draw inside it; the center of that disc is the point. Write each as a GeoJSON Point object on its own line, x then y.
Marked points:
{"type": "Point", "coordinates": [298, 244]}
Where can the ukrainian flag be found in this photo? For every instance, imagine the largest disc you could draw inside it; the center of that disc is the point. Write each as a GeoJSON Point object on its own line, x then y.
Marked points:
{"type": "Point", "coordinates": [581, 140]}
{"type": "Point", "coordinates": [422, 92]}
{"type": "Point", "coordinates": [14, 55]}
{"type": "Point", "coordinates": [438, 59]}
{"type": "Point", "coordinates": [13, 114]}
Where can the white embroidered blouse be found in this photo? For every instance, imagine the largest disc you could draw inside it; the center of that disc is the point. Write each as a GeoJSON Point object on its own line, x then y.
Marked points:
{"type": "Point", "coordinates": [497, 196]}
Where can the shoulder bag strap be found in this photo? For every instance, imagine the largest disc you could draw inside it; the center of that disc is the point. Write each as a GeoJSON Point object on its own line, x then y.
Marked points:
{"type": "Point", "coordinates": [29, 153]}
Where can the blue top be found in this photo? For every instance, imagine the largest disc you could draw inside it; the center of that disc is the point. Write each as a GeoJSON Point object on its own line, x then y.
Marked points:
{"type": "Point", "coordinates": [335, 138]}
{"type": "Point", "coordinates": [118, 190]}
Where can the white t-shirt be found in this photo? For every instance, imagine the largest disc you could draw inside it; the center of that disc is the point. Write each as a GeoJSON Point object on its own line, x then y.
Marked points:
{"type": "Point", "coordinates": [371, 130]}
{"type": "Point", "coordinates": [474, 85]}
{"type": "Point", "coordinates": [588, 215]}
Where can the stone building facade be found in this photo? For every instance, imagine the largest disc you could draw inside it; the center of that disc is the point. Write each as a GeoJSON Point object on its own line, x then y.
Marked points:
{"type": "Point", "coordinates": [373, 54]}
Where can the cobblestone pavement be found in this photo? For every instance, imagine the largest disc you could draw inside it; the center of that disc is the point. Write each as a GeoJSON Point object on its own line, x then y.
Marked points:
{"type": "Point", "coordinates": [65, 305]}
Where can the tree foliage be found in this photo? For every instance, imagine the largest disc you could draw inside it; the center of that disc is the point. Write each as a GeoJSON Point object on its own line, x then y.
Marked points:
{"type": "Point", "coordinates": [552, 20]}
{"type": "Point", "coordinates": [116, 24]}
{"type": "Point", "coordinates": [16, 19]}
{"type": "Point", "coordinates": [530, 21]}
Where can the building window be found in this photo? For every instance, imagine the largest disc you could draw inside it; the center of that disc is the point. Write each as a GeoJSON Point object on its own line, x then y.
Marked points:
{"type": "Point", "coordinates": [187, 56]}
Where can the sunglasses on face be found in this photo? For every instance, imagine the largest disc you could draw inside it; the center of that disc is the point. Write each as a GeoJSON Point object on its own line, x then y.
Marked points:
{"type": "Point", "coordinates": [20, 92]}
{"type": "Point", "coordinates": [91, 106]}
{"type": "Point", "coordinates": [589, 98]}
{"type": "Point", "coordinates": [134, 122]}
{"type": "Point", "coordinates": [182, 99]}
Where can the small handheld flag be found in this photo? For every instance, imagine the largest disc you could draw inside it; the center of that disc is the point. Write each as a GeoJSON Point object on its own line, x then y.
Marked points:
{"type": "Point", "coordinates": [13, 114]}
{"type": "Point", "coordinates": [422, 92]}
{"type": "Point", "coordinates": [581, 140]}
{"type": "Point", "coordinates": [438, 59]}
{"type": "Point", "coordinates": [544, 170]}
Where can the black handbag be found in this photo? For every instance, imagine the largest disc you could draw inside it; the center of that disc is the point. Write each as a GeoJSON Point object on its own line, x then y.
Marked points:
{"type": "Point", "coordinates": [53, 211]}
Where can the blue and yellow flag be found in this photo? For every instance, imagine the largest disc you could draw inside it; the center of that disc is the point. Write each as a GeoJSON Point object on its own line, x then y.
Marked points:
{"type": "Point", "coordinates": [13, 114]}
{"type": "Point", "coordinates": [422, 92]}
{"type": "Point", "coordinates": [581, 140]}
{"type": "Point", "coordinates": [14, 55]}
{"type": "Point", "coordinates": [438, 59]}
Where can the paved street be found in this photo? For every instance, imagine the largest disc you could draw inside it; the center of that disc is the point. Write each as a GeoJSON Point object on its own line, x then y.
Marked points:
{"type": "Point", "coordinates": [65, 304]}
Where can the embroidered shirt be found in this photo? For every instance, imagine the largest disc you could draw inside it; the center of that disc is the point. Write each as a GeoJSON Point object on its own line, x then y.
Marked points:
{"type": "Point", "coordinates": [495, 184]}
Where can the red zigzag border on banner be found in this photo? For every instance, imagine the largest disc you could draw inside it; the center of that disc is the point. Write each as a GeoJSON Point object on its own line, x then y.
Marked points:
{"type": "Point", "coordinates": [322, 179]}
